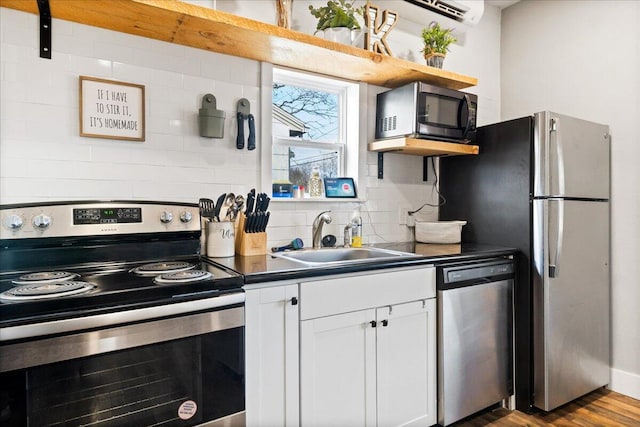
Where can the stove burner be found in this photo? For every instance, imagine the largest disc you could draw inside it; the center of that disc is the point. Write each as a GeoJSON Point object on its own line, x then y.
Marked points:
{"type": "Point", "coordinates": [183, 277]}
{"type": "Point", "coordinates": [46, 290]}
{"type": "Point", "coordinates": [44, 277]}
{"type": "Point", "coordinates": [157, 268]}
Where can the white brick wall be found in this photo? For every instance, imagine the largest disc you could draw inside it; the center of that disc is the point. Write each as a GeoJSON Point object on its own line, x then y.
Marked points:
{"type": "Point", "coordinates": [43, 158]}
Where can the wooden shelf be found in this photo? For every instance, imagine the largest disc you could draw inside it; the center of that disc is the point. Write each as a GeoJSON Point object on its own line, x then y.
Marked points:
{"type": "Point", "coordinates": [422, 147]}
{"type": "Point", "coordinates": [204, 28]}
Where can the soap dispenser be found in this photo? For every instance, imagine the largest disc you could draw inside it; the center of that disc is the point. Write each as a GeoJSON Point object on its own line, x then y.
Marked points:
{"type": "Point", "coordinates": [356, 229]}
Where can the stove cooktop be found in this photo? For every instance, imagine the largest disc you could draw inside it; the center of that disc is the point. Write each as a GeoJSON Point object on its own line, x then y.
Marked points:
{"type": "Point", "coordinates": [106, 287]}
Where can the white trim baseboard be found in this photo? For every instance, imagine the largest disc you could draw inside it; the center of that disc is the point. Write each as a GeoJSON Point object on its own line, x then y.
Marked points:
{"type": "Point", "coordinates": [626, 383]}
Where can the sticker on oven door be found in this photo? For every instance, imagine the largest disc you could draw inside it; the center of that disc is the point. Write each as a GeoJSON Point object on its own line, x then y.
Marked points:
{"type": "Point", "coordinates": [187, 410]}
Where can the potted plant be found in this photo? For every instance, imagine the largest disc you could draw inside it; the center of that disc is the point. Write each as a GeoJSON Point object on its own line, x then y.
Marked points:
{"type": "Point", "coordinates": [337, 21]}
{"type": "Point", "coordinates": [436, 44]}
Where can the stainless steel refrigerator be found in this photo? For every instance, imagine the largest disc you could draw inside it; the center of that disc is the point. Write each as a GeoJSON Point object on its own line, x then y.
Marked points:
{"type": "Point", "coordinates": [541, 184]}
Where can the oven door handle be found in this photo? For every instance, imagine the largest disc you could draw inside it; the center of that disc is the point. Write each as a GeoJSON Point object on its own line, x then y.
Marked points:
{"type": "Point", "coordinates": [116, 318]}
{"type": "Point", "coordinates": [113, 331]}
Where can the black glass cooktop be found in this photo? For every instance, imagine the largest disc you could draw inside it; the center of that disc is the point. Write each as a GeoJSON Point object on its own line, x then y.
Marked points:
{"type": "Point", "coordinates": [112, 287]}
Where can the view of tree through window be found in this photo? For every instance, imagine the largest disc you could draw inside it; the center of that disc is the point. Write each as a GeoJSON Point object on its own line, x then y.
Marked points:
{"type": "Point", "coordinates": [309, 121]}
{"type": "Point", "coordinates": [316, 109]}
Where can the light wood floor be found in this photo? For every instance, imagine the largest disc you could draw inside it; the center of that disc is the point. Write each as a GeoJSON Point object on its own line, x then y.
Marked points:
{"type": "Point", "coordinates": [602, 408]}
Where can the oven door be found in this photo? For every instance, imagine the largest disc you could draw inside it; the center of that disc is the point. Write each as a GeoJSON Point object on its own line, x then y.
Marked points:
{"type": "Point", "coordinates": [184, 370]}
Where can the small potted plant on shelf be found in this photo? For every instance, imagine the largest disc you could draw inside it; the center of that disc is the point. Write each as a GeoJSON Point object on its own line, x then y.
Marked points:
{"type": "Point", "coordinates": [436, 44]}
{"type": "Point", "coordinates": [337, 21]}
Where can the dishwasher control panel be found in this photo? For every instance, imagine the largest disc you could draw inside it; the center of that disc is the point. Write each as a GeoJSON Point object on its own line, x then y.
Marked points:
{"type": "Point", "coordinates": [475, 271]}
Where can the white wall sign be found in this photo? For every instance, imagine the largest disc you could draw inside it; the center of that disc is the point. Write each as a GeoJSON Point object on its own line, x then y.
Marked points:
{"type": "Point", "coordinates": [111, 109]}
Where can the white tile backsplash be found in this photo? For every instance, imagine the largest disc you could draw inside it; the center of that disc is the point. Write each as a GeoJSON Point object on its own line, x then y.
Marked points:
{"type": "Point", "coordinates": [44, 158]}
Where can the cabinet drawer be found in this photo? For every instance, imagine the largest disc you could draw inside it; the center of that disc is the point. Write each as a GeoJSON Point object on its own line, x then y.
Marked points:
{"type": "Point", "coordinates": [357, 292]}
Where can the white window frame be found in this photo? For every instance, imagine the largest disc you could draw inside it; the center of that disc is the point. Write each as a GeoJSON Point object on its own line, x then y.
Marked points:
{"type": "Point", "coordinates": [348, 134]}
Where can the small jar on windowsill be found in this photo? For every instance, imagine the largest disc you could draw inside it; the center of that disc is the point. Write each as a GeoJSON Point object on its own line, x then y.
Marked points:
{"type": "Point", "coordinates": [298, 191]}
{"type": "Point", "coordinates": [315, 183]}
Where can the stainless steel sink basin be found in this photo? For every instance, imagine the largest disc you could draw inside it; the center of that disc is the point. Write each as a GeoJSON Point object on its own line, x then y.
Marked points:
{"type": "Point", "coordinates": [332, 256]}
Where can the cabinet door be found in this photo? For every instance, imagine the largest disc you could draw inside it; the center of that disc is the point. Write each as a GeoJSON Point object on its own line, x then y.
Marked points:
{"type": "Point", "coordinates": [406, 364]}
{"type": "Point", "coordinates": [337, 370]}
{"type": "Point", "coordinates": [271, 336]}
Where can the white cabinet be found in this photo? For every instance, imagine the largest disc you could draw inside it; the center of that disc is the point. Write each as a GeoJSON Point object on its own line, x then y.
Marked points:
{"type": "Point", "coordinates": [375, 366]}
{"type": "Point", "coordinates": [406, 364]}
{"type": "Point", "coordinates": [271, 356]}
{"type": "Point", "coordinates": [337, 372]}
{"type": "Point", "coordinates": [348, 350]}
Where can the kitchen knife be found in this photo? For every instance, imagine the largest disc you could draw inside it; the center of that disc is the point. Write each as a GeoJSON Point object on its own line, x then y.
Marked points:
{"type": "Point", "coordinates": [263, 202]}
{"type": "Point", "coordinates": [250, 225]}
{"type": "Point", "coordinates": [260, 202]}
{"type": "Point", "coordinates": [250, 199]}
{"type": "Point", "coordinates": [219, 205]}
{"type": "Point", "coordinates": [265, 220]}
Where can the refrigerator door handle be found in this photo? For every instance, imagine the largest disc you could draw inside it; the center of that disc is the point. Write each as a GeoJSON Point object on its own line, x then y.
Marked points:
{"type": "Point", "coordinates": [554, 259]}
{"type": "Point", "coordinates": [557, 143]}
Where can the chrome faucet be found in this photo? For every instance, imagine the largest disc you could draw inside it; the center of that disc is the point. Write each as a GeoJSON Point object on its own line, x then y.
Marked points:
{"type": "Point", "coordinates": [316, 230]}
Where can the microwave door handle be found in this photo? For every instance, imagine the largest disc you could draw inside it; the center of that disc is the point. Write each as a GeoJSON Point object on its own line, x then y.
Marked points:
{"type": "Point", "coordinates": [467, 101]}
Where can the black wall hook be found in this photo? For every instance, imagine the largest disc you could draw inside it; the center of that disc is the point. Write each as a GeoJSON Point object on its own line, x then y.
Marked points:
{"type": "Point", "coordinates": [244, 112]}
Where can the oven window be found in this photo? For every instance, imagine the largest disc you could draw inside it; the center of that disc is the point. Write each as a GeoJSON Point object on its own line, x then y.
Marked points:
{"type": "Point", "coordinates": [183, 382]}
{"type": "Point", "coordinates": [438, 110]}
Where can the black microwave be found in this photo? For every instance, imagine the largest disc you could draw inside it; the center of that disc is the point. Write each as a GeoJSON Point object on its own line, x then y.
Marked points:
{"type": "Point", "coordinates": [419, 110]}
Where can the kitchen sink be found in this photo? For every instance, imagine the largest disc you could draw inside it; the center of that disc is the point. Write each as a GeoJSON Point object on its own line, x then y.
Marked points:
{"type": "Point", "coordinates": [332, 256]}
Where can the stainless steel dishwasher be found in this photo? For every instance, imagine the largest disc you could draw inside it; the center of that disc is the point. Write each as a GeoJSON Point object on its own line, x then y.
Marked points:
{"type": "Point", "coordinates": [475, 336]}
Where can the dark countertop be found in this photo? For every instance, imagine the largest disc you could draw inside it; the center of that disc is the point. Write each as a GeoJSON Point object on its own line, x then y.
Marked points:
{"type": "Point", "coordinates": [266, 268]}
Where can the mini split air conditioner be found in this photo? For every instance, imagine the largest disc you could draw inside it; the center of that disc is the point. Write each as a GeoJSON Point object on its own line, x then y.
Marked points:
{"type": "Point", "coordinates": [467, 12]}
{"type": "Point", "coordinates": [458, 15]}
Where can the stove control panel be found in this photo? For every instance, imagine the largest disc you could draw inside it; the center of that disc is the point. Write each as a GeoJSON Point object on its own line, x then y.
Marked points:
{"type": "Point", "coordinates": [95, 218]}
{"type": "Point", "coordinates": [106, 215]}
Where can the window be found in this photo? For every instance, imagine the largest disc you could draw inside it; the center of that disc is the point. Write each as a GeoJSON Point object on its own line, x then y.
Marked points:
{"type": "Point", "coordinates": [314, 125]}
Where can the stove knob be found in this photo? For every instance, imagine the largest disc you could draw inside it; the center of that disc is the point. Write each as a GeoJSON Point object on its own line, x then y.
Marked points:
{"type": "Point", "coordinates": [186, 216]}
{"type": "Point", "coordinates": [13, 222]}
{"type": "Point", "coordinates": [41, 222]}
{"type": "Point", "coordinates": [166, 217]}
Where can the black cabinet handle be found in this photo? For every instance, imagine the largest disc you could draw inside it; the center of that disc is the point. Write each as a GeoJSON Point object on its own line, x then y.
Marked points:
{"type": "Point", "coordinates": [294, 301]}
{"type": "Point", "coordinates": [385, 322]}
{"type": "Point", "coordinates": [373, 323]}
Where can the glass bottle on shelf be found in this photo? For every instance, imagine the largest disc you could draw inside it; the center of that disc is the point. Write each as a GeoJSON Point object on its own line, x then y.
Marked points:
{"type": "Point", "coordinates": [356, 229]}
{"type": "Point", "coordinates": [315, 183]}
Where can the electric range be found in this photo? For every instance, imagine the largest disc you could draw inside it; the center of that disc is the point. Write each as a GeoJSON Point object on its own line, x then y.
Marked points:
{"type": "Point", "coordinates": [89, 284]}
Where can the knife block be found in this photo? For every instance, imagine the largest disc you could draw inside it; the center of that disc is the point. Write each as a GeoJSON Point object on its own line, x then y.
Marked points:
{"type": "Point", "coordinates": [248, 244]}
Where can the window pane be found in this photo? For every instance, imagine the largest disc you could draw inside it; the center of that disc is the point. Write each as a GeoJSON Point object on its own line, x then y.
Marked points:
{"type": "Point", "coordinates": [304, 112]}
{"type": "Point", "coordinates": [293, 163]}
{"type": "Point", "coordinates": [303, 159]}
